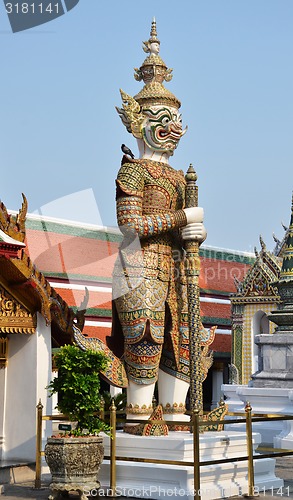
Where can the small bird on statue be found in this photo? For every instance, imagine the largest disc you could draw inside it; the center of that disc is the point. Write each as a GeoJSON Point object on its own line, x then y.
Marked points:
{"type": "Point", "coordinates": [127, 151]}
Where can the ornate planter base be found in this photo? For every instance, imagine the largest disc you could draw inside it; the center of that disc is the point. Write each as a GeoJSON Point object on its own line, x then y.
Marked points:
{"type": "Point", "coordinates": [61, 490]}
{"type": "Point", "coordinates": [74, 465]}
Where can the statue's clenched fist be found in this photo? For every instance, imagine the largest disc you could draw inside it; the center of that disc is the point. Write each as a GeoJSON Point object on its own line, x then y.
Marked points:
{"type": "Point", "coordinates": [194, 230]}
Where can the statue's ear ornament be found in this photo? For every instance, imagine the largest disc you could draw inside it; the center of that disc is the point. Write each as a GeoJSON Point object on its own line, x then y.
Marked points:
{"type": "Point", "coordinates": [131, 114]}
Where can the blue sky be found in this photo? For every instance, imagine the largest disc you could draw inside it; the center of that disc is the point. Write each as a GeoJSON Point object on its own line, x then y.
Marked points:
{"type": "Point", "coordinates": [232, 71]}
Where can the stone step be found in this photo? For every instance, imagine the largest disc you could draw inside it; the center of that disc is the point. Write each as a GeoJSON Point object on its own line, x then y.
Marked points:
{"type": "Point", "coordinates": [12, 472]}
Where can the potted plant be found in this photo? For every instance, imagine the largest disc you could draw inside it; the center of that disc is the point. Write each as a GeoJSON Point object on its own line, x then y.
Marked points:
{"type": "Point", "coordinates": [74, 459]}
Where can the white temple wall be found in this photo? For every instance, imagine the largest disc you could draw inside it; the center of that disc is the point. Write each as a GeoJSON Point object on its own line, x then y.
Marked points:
{"type": "Point", "coordinates": [217, 377]}
{"type": "Point", "coordinates": [260, 324]}
{"type": "Point", "coordinates": [250, 325]}
{"type": "Point", "coordinates": [3, 372]}
{"type": "Point", "coordinates": [28, 373]}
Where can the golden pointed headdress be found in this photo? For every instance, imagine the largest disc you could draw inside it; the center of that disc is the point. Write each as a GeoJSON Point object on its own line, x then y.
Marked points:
{"type": "Point", "coordinates": [153, 72]}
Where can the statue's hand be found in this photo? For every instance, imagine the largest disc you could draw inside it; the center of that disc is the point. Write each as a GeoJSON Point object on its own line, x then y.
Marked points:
{"type": "Point", "coordinates": [194, 214]}
{"type": "Point", "coordinates": [194, 232]}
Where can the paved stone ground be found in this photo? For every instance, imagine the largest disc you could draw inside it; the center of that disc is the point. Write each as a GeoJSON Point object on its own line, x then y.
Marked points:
{"type": "Point", "coordinates": [284, 469]}
{"type": "Point", "coordinates": [26, 491]}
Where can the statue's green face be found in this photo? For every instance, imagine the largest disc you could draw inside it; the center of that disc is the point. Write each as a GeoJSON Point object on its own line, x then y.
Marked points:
{"type": "Point", "coordinates": [162, 128]}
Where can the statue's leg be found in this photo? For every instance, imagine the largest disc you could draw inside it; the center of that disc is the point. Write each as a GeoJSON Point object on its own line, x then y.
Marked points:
{"type": "Point", "coordinates": [139, 400]}
{"type": "Point", "coordinates": [142, 364]}
{"type": "Point", "coordinates": [172, 396]}
{"type": "Point", "coordinates": [173, 378]}
{"type": "Point", "coordinates": [142, 318]}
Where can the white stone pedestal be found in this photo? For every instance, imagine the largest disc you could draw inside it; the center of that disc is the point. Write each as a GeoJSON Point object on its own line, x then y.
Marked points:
{"type": "Point", "coordinates": [264, 400]}
{"type": "Point", "coordinates": [155, 481]}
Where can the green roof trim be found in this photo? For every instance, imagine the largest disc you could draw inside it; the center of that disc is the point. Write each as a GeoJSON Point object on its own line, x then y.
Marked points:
{"type": "Point", "coordinates": [216, 321]}
{"type": "Point", "coordinates": [226, 255]}
{"type": "Point", "coordinates": [79, 277]}
{"type": "Point", "coordinates": [215, 292]}
{"type": "Point", "coordinates": [221, 354]}
{"type": "Point", "coordinates": [96, 312]}
{"type": "Point", "coordinates": [81, 232]}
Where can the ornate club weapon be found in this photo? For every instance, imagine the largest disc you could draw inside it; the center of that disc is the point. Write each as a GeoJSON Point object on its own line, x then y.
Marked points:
{"type": "Point", "coordinates": [192, 274]}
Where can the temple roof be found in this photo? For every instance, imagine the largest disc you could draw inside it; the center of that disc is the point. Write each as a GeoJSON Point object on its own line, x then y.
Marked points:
{"type": "Point", "coordinates": [259, 283]}
{"type": "Point", "coordinates": [24, 290]}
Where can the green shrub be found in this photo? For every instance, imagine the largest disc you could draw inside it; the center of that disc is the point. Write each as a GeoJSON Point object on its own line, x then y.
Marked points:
{"type": "Point", "coordinates": [78, 386]}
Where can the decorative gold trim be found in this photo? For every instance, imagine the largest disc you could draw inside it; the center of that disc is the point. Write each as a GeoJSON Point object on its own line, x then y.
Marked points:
{"type": "Point", "coordinates": [138, 410]}
{"type": "Point", "coordinates": [174, 408]}
{"type": "Point", "coordinates": [154, 426]}
{"type": "Point", "coordinates": [14, 318]}
{"type": "Point", "coordinates": [214, 415]}
{"type": "Point", "coordinates": [14, 225]}
{"type": "Point", "coordinates": [3, 352]}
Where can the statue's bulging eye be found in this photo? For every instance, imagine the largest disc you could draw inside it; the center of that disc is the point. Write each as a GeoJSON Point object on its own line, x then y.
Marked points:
{"type": "Point", "coordinates": [165, 120]}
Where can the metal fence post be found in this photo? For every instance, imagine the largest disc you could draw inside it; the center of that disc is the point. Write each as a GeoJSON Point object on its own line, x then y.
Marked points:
{"type": "Point", "coordinates": [196, 454]}
{"type": "Point", "coordinates": [113, 449]}
{"type": "Point", "coordinates": [102, 409]}
{"type": "Point", "coordinates": [39, 444]}
{"type": "Point", "coordinates": [251, 489]}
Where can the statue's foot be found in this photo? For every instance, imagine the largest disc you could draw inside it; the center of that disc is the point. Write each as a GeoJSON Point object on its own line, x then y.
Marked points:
{"type": "Point", "coordinates": [154, 426]}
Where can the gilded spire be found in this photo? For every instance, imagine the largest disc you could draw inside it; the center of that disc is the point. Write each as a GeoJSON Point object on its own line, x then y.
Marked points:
{"type": "Point", "coordinates": [154, 72]}
{"type": "Point", "coordinates": [287, 265]}
{"type": "Point", "coordinates": [153, 38]}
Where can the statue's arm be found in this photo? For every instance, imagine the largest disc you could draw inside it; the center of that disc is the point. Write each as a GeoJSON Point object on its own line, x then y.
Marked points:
{"type": "Point", "coordinates": [129, 202]}
{"type": "Point", "coordinates": [131, 219]}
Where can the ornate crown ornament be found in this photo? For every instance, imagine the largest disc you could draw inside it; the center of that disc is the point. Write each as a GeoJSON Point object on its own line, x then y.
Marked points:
{"type": "Point", "coordinates": [153, 72]}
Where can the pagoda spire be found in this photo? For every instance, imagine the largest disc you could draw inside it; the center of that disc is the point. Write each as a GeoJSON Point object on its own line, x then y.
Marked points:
{"type": "Point", "coordinates": [275, 351]}
{"type": "Point", "coordinates": [287, 264]}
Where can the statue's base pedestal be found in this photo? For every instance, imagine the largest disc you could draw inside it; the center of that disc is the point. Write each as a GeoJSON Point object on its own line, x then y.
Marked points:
{"type": "Point", "coordinates": [156, 481]}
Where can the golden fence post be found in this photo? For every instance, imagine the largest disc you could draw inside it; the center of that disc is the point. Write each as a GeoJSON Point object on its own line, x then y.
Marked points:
{"type": "Point", "coordinates": [249, 449]}
{"type": "Point", "coordinates": [39, 444]}
{"type": "Point", "coordinates": [196, 454]}
{"type": "Point", "coordinates": [102, 409]}
{"type": "Point", "coordinates": [113, 448]}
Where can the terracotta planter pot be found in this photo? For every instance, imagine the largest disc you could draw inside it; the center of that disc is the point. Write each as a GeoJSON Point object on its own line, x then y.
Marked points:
{"type": "Point", "coordinates": [74, 463]}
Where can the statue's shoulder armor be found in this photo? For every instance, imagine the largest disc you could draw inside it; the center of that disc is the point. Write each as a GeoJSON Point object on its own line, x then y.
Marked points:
{"type": "Point", "coordinates": [130, 178]}
{"type": "Point", "coordinates": [134, 174]}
